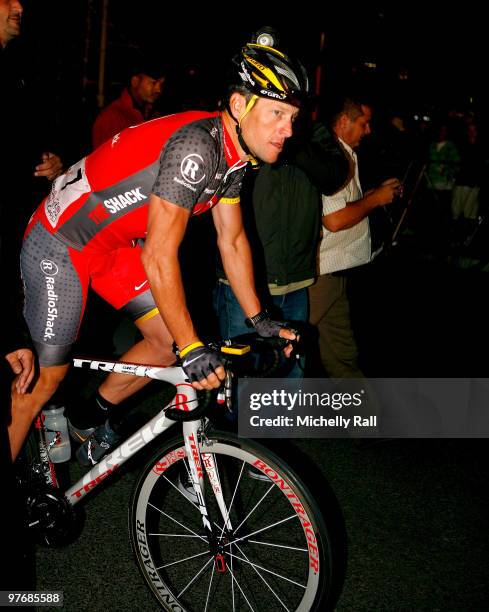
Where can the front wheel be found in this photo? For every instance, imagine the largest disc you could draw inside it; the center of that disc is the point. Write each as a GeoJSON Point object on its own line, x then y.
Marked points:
{"type": "Point", "coordinates": [279, 551]}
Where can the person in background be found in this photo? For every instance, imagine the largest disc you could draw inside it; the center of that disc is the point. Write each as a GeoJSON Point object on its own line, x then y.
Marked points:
{"type": "Point", "coordinates": [19, 361]}
{"type": "Point", "coordinates": [17, 370]}
{"type": "Point", "coordinates": [442, 168]}
{"type": "Point", "coordinates": [471, 176]}
{"type": "Point", "coordinates": [282, 221]}
{"type": "Point", "coordinates": [25, 150]}
{"type": "Point", "coordinates": [27, 163]}
{"type": "Point", "coordinates": [134, 105]}
{"type": "Point", "coordinates": [345, 244]}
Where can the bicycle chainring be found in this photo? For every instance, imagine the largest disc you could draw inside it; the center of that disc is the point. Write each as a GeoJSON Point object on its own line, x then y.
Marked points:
{"type": "Point", "coordinates": [52, 517]}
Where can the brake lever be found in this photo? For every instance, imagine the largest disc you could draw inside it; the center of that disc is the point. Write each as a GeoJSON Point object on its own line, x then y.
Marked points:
{"type": "Point", "coordinates": [298, 347]}
{"type": "Point", "coordinates": [224, 394]}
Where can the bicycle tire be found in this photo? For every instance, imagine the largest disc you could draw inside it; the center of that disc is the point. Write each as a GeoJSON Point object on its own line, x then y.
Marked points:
{"type": "Point", "coordinates": [300, 568]}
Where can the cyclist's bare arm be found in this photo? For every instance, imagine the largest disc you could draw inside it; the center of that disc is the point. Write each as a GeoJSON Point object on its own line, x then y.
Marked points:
{"type": "Point", "coordinates": [236, 255]}
{"type": "Point", "coordinates": [166, 227]}
{"type": "Point", "coordinates": [237, 261]}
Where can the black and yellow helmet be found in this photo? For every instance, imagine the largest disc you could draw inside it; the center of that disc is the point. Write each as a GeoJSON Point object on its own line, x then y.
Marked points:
{"type": "Point", "coordinates": [269, 73]}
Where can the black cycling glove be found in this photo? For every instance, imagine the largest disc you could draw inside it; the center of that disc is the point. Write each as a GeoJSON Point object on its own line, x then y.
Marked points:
{"type": "Point", "coordinates": [200, 362]}
{"type": "Point", "coordinates": [265, 327]}
{"type": "Point", "coordinates": [268, 328]}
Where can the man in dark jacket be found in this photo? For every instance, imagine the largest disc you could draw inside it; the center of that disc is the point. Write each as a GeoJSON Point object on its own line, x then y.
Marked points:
{"type": "Point", "coordinates": [283, 225]}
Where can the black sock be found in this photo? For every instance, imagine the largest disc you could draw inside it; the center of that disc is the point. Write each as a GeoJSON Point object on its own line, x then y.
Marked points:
{"type": "Point", "coordinates": [115, 413]}
{"type": "Point", "coordinates": [92, 412]}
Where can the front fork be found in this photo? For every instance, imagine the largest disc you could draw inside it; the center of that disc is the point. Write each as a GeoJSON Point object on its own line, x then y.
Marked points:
{"type": "Point", "coordinates": [198, 462]}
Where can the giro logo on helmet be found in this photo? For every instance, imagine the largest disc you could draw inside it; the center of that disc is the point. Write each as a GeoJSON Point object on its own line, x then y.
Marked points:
{"type": "Point", "coordinates": [192, 168]}
{"type": "Point", "coordinates": [258, 65]}
{"type": "Point", "coordinates": [272, 94]}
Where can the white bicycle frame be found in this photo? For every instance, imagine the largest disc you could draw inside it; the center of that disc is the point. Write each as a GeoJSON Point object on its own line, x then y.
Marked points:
{"type": "Point", "coordinates": [186, 399]}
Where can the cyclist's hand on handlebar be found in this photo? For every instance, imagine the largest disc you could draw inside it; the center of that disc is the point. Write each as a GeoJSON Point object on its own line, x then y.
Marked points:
{"type": "Point", "coordinates": [267, 328]}
{"type": "Point", "coordinates": [204, 368]}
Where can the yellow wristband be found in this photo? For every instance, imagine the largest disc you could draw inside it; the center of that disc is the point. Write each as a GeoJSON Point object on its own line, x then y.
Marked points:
{"type": "Point", "coordinates": [189, 347]}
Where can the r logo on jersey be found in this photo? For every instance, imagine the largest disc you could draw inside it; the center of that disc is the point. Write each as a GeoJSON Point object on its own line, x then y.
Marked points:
{"type": "Point", "coordinates": [49, 267]}
{"type": "Point", "coordinates": [192, 169]}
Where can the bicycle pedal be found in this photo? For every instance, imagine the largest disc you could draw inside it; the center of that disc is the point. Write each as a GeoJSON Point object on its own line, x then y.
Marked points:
{"type": "Point", "coordinates": [99, 444]}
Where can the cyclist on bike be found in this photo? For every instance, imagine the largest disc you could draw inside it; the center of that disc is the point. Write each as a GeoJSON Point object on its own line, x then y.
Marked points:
{"type": "Point", "coordinates": [145, 183]}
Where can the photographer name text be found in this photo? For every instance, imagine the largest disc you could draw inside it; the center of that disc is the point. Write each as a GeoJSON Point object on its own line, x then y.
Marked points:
{"type": "Point", "coordinates": [337, 421]}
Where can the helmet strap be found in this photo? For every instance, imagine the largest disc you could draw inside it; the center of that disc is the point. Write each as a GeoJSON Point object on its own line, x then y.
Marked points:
{"type": "Point", "coordinates": [249, 106]}
{"type": "Point", "coordinates": [252, 159]}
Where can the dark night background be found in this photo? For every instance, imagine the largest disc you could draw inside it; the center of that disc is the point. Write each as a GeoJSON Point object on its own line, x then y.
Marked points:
{"type": "Point", "coordinates": [439, 49]}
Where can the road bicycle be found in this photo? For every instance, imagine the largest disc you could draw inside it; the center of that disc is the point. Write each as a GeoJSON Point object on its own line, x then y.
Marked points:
{"type": "Point", "coordinates": [253, 535]}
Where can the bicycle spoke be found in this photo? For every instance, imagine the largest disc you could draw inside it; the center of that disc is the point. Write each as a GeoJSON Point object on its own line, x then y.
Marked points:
{"type": "Point", "coordinates": [255, 528]}
{"type": "Point", "coordinates": [181, 492]}
{"type": "Point", "coordinates": [241, 590]}
{"type": "Point", "coordinates": [262, 529]}
{"type": "Point", "coordinates": [195, 577]}
{"type": "Point", "coordinates": [177, 522]}
{"type": "Point", "coordinates": [278, 545]}
{"type": "Point", "coordinates": [176, 535]}
{"type": "Point", "coordinates": [228, 512]}
{"type": "Point", "coordinates": [209, 589]}
{"type": "Point", "coordinates": [302, 586]}
{"type": "Point", "coordinates": [232, 581]}
{"type": "Point", "coordinates": [206, 552]}
{"type": "Point", "coordinates": [263, 579]}
{"type": "Point", "coordinates": [253, 509]}
{"type": "Point", "coordinates": [237, 483]}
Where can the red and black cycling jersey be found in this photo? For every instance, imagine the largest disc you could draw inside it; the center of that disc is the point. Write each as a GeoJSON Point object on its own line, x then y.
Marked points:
{"type": "Point", "coordinates": [187, 159]}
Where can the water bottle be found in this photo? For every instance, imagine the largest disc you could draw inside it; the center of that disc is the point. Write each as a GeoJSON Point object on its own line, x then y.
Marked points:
{"type": "Point", "coordinates": [57, 437]}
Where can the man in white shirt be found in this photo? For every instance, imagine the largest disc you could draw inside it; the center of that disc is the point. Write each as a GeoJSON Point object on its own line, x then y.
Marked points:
{"type": "Point", "coordinates": [345, 244]}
